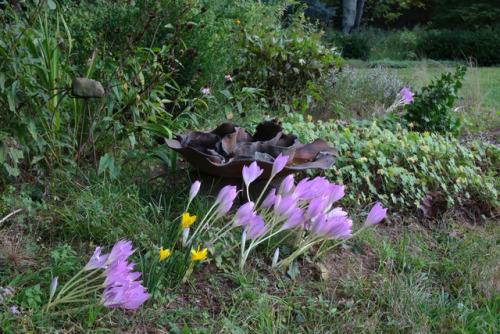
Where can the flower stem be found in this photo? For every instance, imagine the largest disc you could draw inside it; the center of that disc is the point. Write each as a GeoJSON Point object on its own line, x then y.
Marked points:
{"type": "Point", "coordinates": [338, 243]}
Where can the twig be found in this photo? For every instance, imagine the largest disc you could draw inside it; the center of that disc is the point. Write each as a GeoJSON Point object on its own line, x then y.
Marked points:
{"type": "Point", "coordinates": [10, 214]}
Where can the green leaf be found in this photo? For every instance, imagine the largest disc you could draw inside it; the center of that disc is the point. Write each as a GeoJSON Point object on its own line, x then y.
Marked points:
{"type": "Point", "coordinates": [51, 4]}
{"type": "Point", "coordinates": [105, 162]}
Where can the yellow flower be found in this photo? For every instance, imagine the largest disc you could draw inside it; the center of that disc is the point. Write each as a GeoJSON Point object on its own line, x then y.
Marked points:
{"type": "Point", "coordinates": [187, 220]}
{"type": "Point", "coordinates": [198, 255]}
{"type": "Point", "coordinates": [363, 159]}
{"type": "Point", "coordinates": [309, 118]}
{"type": "Point", "coordinates": [411, 125]}
{"type": "Point", "coordinates": [238, 21]}
{"type": "Point", "coordinates": [164, 254]}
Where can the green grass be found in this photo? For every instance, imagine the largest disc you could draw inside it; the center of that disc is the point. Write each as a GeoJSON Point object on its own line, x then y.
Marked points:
{"type": "Point", "coordinates": [408, 275]}
{"type": "Point", "coordinates": [480, 91]}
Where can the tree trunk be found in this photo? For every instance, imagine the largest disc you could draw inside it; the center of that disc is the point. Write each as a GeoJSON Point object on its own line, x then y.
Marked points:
{"type": "Point", "coordinates": [359, 13]}
{"type": "Point", "coordinates": [348, 15]}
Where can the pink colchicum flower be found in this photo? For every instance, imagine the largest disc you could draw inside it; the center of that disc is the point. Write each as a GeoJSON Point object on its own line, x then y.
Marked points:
{"type": "Point", "coordinates": [377, 213]}
{"type": "Point", "coordinates": [228, 78]}
{"type": "Point", "coordinates": [256, 228]}
{"type": "Point", "coordinates": [53, 286]}
{"type": "Point", "coordinates": [279, 164]}
{"type": "Point", "coordinates": [270, 199]}
{"type": "Point", "coordinates": [121, 287]}
{"type": "Point", "coordinates": [318, 226]}
{"type": "Point", "coordinates": [332, 228]}
{"type": "Point", "coordinates": [287, 185]}
{"type": "Point", "coordinates": [118, 272]}
{"type": "Point", "coordinates": [405, 95]}
{"type": "Point", "coordinates": [120, 251]}
{"type": "Point", "coordinates": [276, 256]}
{"type": "Point", "coordinates": [129, 295]}
{"type": "Point", "coordinates": [251, 173]}
{"type": "Point", "coordinates": [244, 214]}
{"type": "Point", "coordinates": [226, 195]}
{"type": "Point", "coordinates": [194, 190]}
{"type": "Point", "coordinates": [283, 207]}
{"type": "Point", "coordinates": [336, 192]}
{"type": "Point", "coordinates": [338, 227]}
{"type": "Point", "coordinates": [295, 219]}
{"type": "Point", "coordinates": [302, 190]}
{"type": "Point", "coordinates": [317, 205]}
{"type": "Point", "coordinates": [224, 209]}
{"type": "Point", "coordinates": [97, 260]}
{"type": "Point", "coordinates": [337, 212]}
{"type": "Point", "coordinates": [205, 90]}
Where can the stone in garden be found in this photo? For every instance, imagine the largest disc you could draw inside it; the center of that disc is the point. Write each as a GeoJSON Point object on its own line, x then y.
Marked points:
{"type": "Point", "coordinates": [87, 88]}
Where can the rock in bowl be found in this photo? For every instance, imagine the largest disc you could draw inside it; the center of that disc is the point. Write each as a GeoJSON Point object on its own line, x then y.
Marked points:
{"type": "Point", "coordinates": [225, 150]}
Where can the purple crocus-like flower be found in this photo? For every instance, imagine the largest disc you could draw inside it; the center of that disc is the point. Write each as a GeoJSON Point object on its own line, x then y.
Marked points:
{"type": "Point", "coordinates": [337, 212]}
{"type": "Point", "coordinates": [302, 190]}
{"type": "Point", "coordinates": [269, 200]}
{"type": "Point", "coordinates": [122, 289]}
{"type": "Point", "coordinates": [130, 295]}
{"type": "Point", "coordinates": [244, 214]}
{"type": "Point", "coordinates": [120, 251]}
{"type": "Point", "coordinates": [283, 207]}
{"type": "Point", "coordinates": [338, 227]}
{"type": "Point", "coordinates": [295, 219]}
{"type": "Point", "coordinates": [256, 228]}
{"type": "Point", "coordinates": [318, 187]}
{"type": "Point", "coordinates": [336, 192]}
{"type": "Point", "coordinates": [226, 195]}
{"type": "Point", "coordinates": [251, 173]}
{"type": "Point", "coordinates": [286, 185]}
{"type": "Point", "coordinates": [119, 272]}
{"type": "Point", "coordinates": [97, 260]}
{"type": "Point", "coordinates": [377, 213]}
{"type": "Point", "coordinates": [276, 256]}
{"type": "Point", "coordinates": [319, 225]}
{"type": "Point", "coordinates": [279, 164]}
{"type": "Point", "coordinates": [406, 95]}
{"type": "Point", "coordinates": [53, 286]}
{"type": "Point", "coordinates": [195, 187]}
{"type": "Point", "coordinates": [224, 209]}
{"type": "Point", "coordinates": [317, 205]}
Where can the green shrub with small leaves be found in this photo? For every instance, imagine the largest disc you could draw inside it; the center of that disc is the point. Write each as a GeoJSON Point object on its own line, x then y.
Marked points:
{"type": "Point", "coordinates": [398, 166]}
{"type": "Point", "coordinates": [432, 109]}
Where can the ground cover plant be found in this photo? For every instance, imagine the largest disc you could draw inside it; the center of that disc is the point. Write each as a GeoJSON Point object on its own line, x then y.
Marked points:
{"type": "Point", "coordinates": [102, 228]}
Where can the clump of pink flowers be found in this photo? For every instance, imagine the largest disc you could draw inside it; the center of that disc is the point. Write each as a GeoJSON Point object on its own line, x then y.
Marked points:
{"type": "Point", "coordinates": [305, 211]}
{"type": "Point", "coordinates": [404, 97]}
{"type": "Point", "coordinates": [205, 90]}
{"type": "Point", "coordinates": [111, 273]}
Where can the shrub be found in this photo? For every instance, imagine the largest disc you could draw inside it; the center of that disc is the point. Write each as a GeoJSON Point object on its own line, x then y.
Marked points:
{"type": "Point", "coordinates": [481, 45]}
{"type": "Point", "coordinates": [354, 46]}
{"type": "Point", "coordinates": [432, 108]}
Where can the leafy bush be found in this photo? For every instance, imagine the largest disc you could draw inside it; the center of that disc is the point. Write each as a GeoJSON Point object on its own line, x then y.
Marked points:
{"type": "Point", "coordinates": [55, 129]}
{"type": "Point", "coordinates": [354, 46]}
{"type": "Point", "coordinates": [432, 108]}
{"type": "Point", "coordinates": [402, 166]}
{"type": "Point", "coordinates": [283, 66]}
{"type": "Point", "coordinates": [480, 45]}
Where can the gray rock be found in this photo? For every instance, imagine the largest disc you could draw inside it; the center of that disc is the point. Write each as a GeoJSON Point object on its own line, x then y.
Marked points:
{"type": "Point", "coordinates": [86, 88]}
